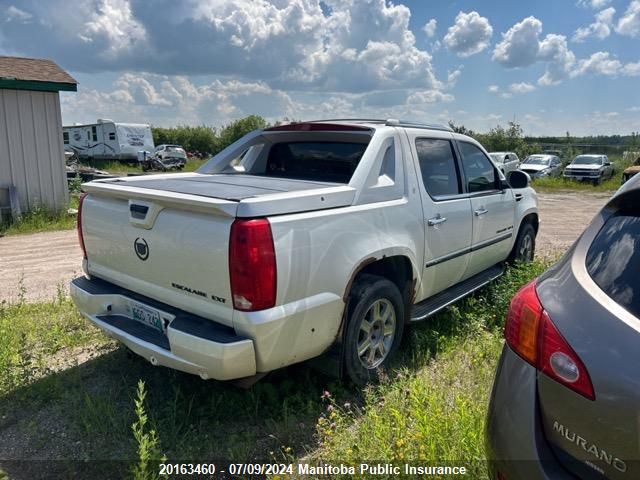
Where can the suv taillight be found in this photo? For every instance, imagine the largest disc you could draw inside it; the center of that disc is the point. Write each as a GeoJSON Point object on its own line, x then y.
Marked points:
{"type": "Point", "coordinates": [530, 332]}
{"type": "Point", "coordinates": [252, 265]}
{"type": "Point", "coordinates": [79, 225]}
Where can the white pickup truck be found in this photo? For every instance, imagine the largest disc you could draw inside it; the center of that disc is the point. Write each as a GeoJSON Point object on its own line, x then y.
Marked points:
{"type": "Point", "coordinates": [312, 239]}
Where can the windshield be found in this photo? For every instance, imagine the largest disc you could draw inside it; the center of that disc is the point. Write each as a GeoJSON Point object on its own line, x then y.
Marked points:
{"type": "Point", "coordinates": [534, 160]}
{"type": "Point", "coordinates": [497, 157]}
{"type": "Point", "coordinates": [585, 160]}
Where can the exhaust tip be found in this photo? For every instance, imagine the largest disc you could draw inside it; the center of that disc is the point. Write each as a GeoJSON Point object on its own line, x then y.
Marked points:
{"type": "Point", "coordinates": [154, 361]}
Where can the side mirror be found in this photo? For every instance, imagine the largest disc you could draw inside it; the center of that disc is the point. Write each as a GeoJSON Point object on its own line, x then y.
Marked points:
{"type": "Point", "coordinates": [607, 163]}
{"type": "Point", "coordinates": [518, 179]}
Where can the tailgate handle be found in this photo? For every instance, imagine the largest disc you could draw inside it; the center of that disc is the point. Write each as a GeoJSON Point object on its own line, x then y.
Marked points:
{"type": "Point", "coordinates": [138, 211]}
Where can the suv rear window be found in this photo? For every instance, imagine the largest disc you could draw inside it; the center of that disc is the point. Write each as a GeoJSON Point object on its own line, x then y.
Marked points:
{"type": "Point", "coordinates": [320, 161]}
{"type": "Point", "coordinates": [613, 261]}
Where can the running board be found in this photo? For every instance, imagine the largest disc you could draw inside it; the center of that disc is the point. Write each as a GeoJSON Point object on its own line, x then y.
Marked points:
{"type": "Point", "coordinates": [434, 304]}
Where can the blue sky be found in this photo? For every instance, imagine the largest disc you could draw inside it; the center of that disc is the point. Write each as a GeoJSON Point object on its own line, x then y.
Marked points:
{"type": "Point", "coordinates": [553, 66]}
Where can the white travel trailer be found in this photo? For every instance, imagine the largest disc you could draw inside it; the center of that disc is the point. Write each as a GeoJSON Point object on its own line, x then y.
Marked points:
{"type": "Point", "coordinates": [108, 140]}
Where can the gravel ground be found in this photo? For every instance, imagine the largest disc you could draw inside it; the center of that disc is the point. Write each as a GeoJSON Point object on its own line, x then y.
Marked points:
{"type": "Point", "coordinates": [46, 262]}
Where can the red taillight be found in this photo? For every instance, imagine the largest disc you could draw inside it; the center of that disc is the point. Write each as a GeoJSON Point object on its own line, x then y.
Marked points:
{"type": "Point", "coordinates": [79, 225]}
{"type": "Point", "coordinates": [530, 332]}
{"type": "Point", "coordinates": [252, 265]}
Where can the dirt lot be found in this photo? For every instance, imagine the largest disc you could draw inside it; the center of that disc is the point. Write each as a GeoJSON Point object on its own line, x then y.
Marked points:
{"type": "Point", "coordinates": [46, 262]}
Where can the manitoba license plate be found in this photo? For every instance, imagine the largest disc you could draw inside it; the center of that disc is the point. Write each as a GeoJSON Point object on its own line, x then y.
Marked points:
{"type": "Point", "coordinates": [146, 315]}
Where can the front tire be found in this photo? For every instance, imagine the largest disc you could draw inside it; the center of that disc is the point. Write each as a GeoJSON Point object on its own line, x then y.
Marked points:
{"type": "Point", "coordinates": [525, 246]}
{"type": "Point", "coordinates": [375, 322]}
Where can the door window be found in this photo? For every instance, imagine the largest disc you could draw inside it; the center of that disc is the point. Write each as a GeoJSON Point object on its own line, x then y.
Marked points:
{"type": "Point", "coordinates": [481, 176]}
{"type": "Point", "coordinates": [438, 166]}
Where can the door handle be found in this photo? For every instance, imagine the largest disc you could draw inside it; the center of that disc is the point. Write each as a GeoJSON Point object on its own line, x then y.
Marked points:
{"type": "Point", "coordinates": [438, 219]}
{"type": "Point", "coordinates": [480, 211]}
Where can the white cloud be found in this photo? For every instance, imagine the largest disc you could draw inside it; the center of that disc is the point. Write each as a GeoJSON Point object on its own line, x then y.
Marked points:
{"type": "Point", "coordinates": [171, 100]}
{"type": "Point", "coordinates": [599, 63]}
{"type": "Point", "coordinates": [521, 46]}
{"type": "Point", "coordinates": [506, 95]}
{"type": "Point", "coordinates": [603, 63]}
{"type": "Point", "coordinates": [453, 76]}
{"type": "Point", "coordinates": [114, 22]}
{"type": "Point", "coordinates": [343, 46]}
{"type": "Point", "coordinates": [521, 87]}
{"type": "Point", "coordinates": [430, 28]}
{"type": "Point", "coordinates": [600, 28]}
{"type": "Point", "coordinates": [595, 4]}
{"type": "Point", "coordinates": [429, 96]}
{"type": "Point", "coordinates": [631, 69]}
{"type": "Point", "coordinates": [141, 90]}
{"type": "Point", "coordinates": [560, 60]}
{"type": "Point", "coordinates": [13, 13]}
{"type": "Point", "coordinates": [629, 23]}
{"type": "Point", "coordinates": [493, 88]}
{"type": "Point", "coordinates": [470, 34]}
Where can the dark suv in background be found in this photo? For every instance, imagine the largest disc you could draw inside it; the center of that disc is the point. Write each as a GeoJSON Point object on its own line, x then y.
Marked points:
{"type": "Point", "coordinates": [566, 397]}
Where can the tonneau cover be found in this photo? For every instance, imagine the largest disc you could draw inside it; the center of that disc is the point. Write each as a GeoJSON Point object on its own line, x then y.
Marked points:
{"type": "Point", "coordinates": [234, 187]}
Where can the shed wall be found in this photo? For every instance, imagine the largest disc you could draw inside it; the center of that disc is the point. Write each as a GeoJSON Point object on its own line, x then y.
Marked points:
{"type": "Point", "coordinates": [31, 149]}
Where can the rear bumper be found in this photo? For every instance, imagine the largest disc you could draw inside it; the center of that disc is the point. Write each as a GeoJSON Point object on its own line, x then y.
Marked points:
{"type": "Point", "coordinates": [514, 440]}
{"type": "Point", "coordinates": [192, 344]}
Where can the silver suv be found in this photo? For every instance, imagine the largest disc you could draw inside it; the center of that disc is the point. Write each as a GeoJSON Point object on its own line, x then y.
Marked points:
{"type": "Point", "coordinates": [590, 168]}
{"type": "Point", "coordinates": [506, 161]}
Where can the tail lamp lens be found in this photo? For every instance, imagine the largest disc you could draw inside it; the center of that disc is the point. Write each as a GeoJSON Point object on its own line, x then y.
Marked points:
{"type": "Point", "coordinates": [252, 265]}
{"type": "Point", "coordinates": [530, 332]}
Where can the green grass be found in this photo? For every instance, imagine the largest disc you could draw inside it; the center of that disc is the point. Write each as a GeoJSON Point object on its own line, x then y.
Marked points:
{"type": "Point", "coordinates": [41, 219]}
{"type": "Point", "coordinates": [31, 335]}
{"type": "Point", "coordinates": [429, 407]}
{"type": "Point", "coordinates": [121, 168]}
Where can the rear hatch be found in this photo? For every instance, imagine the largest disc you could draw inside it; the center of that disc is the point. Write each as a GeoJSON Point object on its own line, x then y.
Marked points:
{"type": "Point", "coordinates": [167, 236]}
{"type": "Point", "coordinates": [593, 299]}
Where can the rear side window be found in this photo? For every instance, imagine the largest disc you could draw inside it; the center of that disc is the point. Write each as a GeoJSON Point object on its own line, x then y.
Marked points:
{"type": "Point", "coordinates": [321, 161]}
{"type": "Point", "coordinates": [481, 176]}
{"type": "Point", "coordinates": [438, 167]}
{"type": "Point", "coordinates": [613, 261]}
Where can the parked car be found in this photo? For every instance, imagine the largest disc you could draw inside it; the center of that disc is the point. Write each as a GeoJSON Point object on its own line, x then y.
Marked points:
{"type": "Point", "coordinates": [317, 238]}
{"type": "Point", "coordinates": [631, 171]}
{"type": "Point", "coordinates": [171, 152]}
{"type": "Point", "coordinates": [590, 168]}
{"type": "Point", "coordinates": [149, 162]}
{"type": "Point", "coordinates": [565, 398]}
{"type": "Point", "coordinates": [506, 161]}
{"type": "Point", "coordinates": [541, 165]}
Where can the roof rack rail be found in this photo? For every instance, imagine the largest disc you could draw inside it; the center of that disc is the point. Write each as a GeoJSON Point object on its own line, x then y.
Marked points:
{"type": "Point", "coordinates": [392, 122]}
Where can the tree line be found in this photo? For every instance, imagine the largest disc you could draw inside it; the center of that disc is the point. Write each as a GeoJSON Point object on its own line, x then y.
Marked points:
{"type": "Point", "coordinates": [204, 139]}
{"type": "Point", "coordinates": [208, 140]}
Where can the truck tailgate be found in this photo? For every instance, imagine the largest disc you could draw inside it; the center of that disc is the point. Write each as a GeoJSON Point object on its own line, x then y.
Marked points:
{"type": "Point", "coordinates": [174, 250]}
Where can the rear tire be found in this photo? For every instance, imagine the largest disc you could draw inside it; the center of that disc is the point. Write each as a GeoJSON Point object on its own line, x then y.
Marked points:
{"type": "Point", "coordinates": [375, 322]}
{"type": "Point", "coordinates": [525, 246]}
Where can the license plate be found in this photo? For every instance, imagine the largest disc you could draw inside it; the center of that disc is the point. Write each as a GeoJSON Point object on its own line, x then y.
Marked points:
{"type": "Point", "coordinates": [146, 315]}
